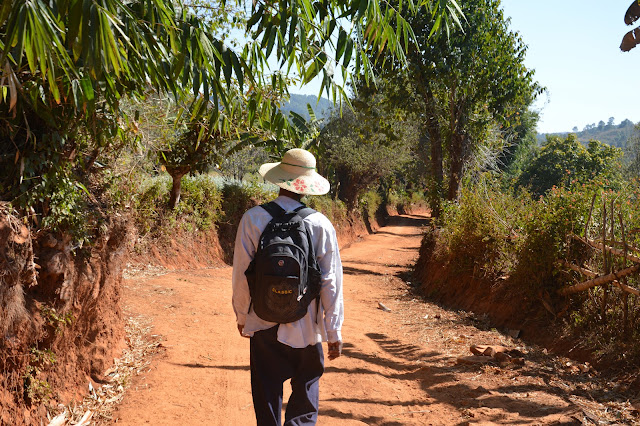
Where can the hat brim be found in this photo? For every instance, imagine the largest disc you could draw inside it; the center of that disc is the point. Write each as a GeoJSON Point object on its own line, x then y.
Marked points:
{"type": "Point", "coordinates": [309, 183]}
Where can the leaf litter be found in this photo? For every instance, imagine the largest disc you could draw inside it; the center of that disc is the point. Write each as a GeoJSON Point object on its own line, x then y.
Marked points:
{"type": "Point", "coordinates": [98, 406]}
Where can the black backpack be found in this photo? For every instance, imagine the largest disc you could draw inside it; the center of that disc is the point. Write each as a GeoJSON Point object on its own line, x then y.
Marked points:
{"type": "Point", "coordinates": [284, 276]}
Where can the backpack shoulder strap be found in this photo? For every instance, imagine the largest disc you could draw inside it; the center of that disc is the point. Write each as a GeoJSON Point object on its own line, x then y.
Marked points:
{"type": "Point", "coordinates": [273, 209]}
{"type": "Point", "coordinates": [304, 211]}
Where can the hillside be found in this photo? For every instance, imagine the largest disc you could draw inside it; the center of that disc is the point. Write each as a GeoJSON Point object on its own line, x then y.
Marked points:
{"type": "Point", "coordinates": [611, 134]}
{"type": "Point", "coordinates": [298, 104]}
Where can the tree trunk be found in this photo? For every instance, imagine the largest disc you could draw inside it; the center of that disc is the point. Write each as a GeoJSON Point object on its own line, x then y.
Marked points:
{"type": "Point", "coordinates": [459, 143]}
{"type": "Point", "coordinates": [456, 158]}
{"type": "Point", "coordinates": [348, 190]}
{"type": "Point", "coordinates": [176, 174]}
{"type": "Point", "coordinates": [435, 144]}
{"type": "Point", "coordinates": [601, 280]}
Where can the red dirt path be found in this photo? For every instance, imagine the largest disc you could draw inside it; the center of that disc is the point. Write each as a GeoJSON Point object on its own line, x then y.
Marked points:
{"type": "Point", "coordinates": [398, 367]}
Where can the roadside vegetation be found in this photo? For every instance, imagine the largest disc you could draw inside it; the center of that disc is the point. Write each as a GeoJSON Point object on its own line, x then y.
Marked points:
{"type": "Point", "coordinates": [569, 217]}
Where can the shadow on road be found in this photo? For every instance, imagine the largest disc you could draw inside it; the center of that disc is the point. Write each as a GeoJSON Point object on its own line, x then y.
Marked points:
{"type": "Point", "coordinates": [439, 382]}
{"type": "Point", "coordinates": [408, 220]}
{"type": "Point", "coordinates": [220, 367]}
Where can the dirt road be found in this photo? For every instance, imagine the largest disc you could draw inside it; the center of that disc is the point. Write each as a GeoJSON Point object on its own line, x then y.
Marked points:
{"type": "Point", "coordinates": [399, 366]}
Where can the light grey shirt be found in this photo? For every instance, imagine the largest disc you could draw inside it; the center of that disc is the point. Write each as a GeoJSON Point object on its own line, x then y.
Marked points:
{"type": "Point", "coordinates": [306, 331]}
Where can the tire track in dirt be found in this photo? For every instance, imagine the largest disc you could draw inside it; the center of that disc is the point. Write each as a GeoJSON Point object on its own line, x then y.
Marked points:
{"type": "Point", "coordinates": [398, 367]}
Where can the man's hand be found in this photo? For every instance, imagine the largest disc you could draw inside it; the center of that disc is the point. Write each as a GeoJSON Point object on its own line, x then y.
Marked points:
{"type": "Point", "coordinates": [241, 329]}
{"type": "Point", "coordinates": [335, 349]}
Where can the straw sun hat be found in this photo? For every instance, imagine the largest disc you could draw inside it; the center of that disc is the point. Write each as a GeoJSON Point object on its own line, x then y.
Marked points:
{"type": "Point", "coordinates": [296, 173]}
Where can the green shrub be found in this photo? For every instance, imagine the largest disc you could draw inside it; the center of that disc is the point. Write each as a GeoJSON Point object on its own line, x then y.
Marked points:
{"type": "Point", "coordinates": [370, 202]}
{"type": "Point", "coordinates": [200, 203]}
{"type": "Point", "coordinates": [150, 203]}
{"type": "Point", "coordinates": [405, 200]}
{"type": "Point", "coordinates": [240, 196]}
{"type": "Point", "coordinates": [418, 198]}
{"type": "Point", "coordinates": [335, 210]}
{"type": "Point", "coordinates": [477, 236]}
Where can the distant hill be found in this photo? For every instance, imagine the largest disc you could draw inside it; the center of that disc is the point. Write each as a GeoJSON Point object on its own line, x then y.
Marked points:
{"type": "Point", "coordinates": [611, 134]}
{"type": "Point", "coordinates": [298, 104]}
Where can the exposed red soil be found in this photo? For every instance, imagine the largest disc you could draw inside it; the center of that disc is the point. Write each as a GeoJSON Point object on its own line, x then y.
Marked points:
{"type": "Point", "coordinates": [60, 327]}
{"type": "Point", "coordinates": [399, 366]}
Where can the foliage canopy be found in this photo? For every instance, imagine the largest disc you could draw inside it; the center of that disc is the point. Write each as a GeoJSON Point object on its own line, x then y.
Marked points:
{"type": "Point", "coordinates": [67, 64]}
{"type": "Point", "coordinates": [561, 162]}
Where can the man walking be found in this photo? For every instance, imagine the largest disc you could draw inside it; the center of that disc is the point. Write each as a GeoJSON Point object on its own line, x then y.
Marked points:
{"type": "Point", "coordinates": [290, 350]}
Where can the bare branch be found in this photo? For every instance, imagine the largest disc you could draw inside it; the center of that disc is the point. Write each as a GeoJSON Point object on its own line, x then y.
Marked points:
{"type": "Point", "coordinates": [604, 279]}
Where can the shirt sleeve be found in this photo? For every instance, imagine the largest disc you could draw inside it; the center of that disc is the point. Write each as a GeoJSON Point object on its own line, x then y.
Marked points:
{"type": "Point", "coordinates": [330, 264]}
{"type": "Point", "coordinates": [243, 253]}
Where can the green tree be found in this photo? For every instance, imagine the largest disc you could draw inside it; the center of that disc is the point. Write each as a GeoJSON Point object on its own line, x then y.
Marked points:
{"type": "Point", "coordinates": [632, 154]}
{"type": "Point", "coordinates": [363, 146]}
{"type": "Point", "coordinates": [466, 82]}
{"type": "Point", "coordinates": [562, 162]}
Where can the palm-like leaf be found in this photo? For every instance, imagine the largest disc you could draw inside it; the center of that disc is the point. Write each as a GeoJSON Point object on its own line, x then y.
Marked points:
{"type": "Point", "coordinates": [633, 13]}
{"type": "Point", "coordinates": [72, 49]}
{"type": "Point", "coordinates": [632, 38]}
{"type": "Point", "coordinates": [322, 38]}
{"type": "Point", "coordinates": [65, 64]}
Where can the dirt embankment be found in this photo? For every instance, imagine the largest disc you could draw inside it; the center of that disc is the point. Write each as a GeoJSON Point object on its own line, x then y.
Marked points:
{"type": "Point", "coordinates": [62, 323]}
{"type": "Point", "coordinates": [536, 318]}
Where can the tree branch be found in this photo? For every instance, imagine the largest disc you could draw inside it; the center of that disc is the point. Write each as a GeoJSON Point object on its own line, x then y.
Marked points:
{"type": "Point", "coordinates": [604, 279]}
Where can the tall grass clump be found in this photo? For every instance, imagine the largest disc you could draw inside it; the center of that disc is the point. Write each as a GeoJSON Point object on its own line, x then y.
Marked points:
{"type": "Point", "coordinates": [201, 202]}
{"type": "Point", "coordinates": [481, 232]}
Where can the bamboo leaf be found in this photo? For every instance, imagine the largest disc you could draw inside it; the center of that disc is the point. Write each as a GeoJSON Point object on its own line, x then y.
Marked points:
{"type": "Point", "coordinates": [362, 8]}
{"type": "Point", "coordinates": [227, 66]}
{"type": "Point", "coordinates": [272, 38]}
{"type": "Point", "coordinates": [342, 43]}
{"type": "Point", "coordinates": [238, 70]}
{"type": "Point", "coordinates": [348, 52]}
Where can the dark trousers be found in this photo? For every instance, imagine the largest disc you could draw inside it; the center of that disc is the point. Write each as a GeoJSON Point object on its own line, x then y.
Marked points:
{"type": "Point", "coordinates": [272, 363]}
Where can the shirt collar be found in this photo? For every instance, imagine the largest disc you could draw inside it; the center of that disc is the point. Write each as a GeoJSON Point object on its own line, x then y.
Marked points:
{"type": "Point", "coordinates": [287, 203]}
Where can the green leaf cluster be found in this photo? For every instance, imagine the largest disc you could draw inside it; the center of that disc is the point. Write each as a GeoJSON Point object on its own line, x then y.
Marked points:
{"type": "Point", "coordinates": [563, 162]}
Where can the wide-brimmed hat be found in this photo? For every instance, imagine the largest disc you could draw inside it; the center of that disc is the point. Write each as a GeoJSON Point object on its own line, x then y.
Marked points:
{"type": "Point", "coordinates": [296, 173]}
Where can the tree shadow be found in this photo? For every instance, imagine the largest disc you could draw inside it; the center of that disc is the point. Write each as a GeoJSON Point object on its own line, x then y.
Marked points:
{"type": "Point", "coordinates": [350, 270]}
{"type": "Point", "coordinates": [408, 220]}
{"type": "Point", "coordinates": [439, 383]}
{"type": "Point", "coordinates": [219, 367]}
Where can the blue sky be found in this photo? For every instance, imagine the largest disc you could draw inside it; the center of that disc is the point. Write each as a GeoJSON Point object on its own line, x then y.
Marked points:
{"type": "Point", "coordinates": [573, 46]}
